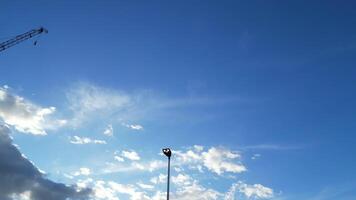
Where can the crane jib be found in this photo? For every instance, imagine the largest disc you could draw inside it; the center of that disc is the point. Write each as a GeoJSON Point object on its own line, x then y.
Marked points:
{"type": "Point", "coordinates": [20, 38]}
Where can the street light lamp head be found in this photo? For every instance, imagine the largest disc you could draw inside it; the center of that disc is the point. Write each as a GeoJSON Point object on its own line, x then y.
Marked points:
{"type": "Point", "coordinates": [167, 152]}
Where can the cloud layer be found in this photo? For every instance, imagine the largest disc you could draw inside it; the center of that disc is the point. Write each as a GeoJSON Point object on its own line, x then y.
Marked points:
{"type": "Point", "coordinates": [20, 179]}
{"type": "Point", "coordinates": [85, 140]}
{"type": "Point", "coordinates": [87, 103]}
{"type": "Point", "coordinates": [217, 160]}
{"type": "Point", "coordinates": [25, 116]}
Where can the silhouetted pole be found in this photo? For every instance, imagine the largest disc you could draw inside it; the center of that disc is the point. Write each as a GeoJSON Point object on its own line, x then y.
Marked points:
{"type": "Point", "coordinates": [168, 153]}
{"type": "Point", "coordinates": [169, 174]}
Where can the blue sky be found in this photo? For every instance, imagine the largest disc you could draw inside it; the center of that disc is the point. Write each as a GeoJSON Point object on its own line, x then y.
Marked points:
{"type": "Point", "coordinates": [255, 98]}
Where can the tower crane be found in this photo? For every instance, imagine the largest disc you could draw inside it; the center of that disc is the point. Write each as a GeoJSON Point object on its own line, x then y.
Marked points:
{"type": "Point", "coordinates": [22, 37]}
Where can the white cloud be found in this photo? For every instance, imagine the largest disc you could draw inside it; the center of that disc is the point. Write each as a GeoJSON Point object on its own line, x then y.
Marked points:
{"type": "Point", "coordinates": [256, 191]}
{"type": "Point", "coordinates": [188, 157]}
{"type": "Point", "coordinates": [182, 179]}
{"type": "Point", "coordinates": [89, 101]}
{"type": "Point", "coordinates": [178, 169]}
{"type": "Point", "coordinates": [111, 190]}
{"type": "Point", "coordinates": [145, 186]}
{"type": "Point", "coordinates": [25, 116]}
{"type": "Point", "coordinates": [22, 196]}
{"type": "Point", "coordinates": [198, 148]}
{"type": "Point", "coordinates": [122, 166]}
{"type": "Point", "coordinates": [136, 127]}
{"type": "Point", "coordinates": [118, 158]}
{"type": "Point", "coordinates": [131, 155]}
{"type": "Point", "coordinates": [156, 164]}
{"type": "Point", "coordinates": [68, 176]}
{"type": "Point", "coordinates": [85, 140]}
{"type": "Point", "coordinates": [139, 166]}
{"type": "Point", "coordinates": [255, 156]}
{"type": "Point", "coordinates": [84, 183]}
{"type": "Point", "coordinates": [161, 178]}
{"type": "Point", "coordinates": [101, 191]}
{"type": "Point", "coordinates": [217, 160]}
{"type": "Point", "coordinates": [195, 192]}
{"type": "Point", "coordinates": [109, 131]}
{"type": "Point", "coordinates": [186, 188]}
{"type": "Point", "coordinates": [83, 171]}
{"type": "Point", "coordinates": [128, 189]}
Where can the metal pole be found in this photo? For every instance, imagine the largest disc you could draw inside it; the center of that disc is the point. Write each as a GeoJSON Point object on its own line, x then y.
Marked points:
{"type": "Point", "coordinates": [168, 153]}
{"type": "Point", "coordinates": [169, 171]}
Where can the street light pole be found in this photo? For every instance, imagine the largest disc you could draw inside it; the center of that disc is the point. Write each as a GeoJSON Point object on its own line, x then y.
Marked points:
{"type": "Point", "coordinates": [168, 153]}
{"type": "Point", "coordinates": [169, 174]}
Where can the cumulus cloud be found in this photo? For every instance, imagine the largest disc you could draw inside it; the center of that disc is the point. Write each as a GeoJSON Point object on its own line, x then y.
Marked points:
{"type": "Point", "coordinates": [85, 140]}
{"type": "Point", "coordinates": [182, 179]}
{"type": "Point", "coordinates": [110, 190]}
{"type": "Point", "coordinates": [83, 171]}
{"type": "Point", "coordinates": [155, 164]}
{"type": "Point", "coordinates": [118, 158]}
{"type": "Point", "coordinates": [136, 127]}
{"type": "Point", "coordinates": [198, 148]}
{"type": "Point", "coordinates": [217, 160]}
{"type": "Point", "coordinates": [109, 131]}
{"type": "Point", "coordinates": [255, 191]}
{"type": "Point", "coordinates": [128, 189]}
{"type": "Point", "coordinates": [25, 116]}
{"type": "Point", "coordinates": [189, 188]}
{"type": "Point", "coordinates": [161, 178]}
{"type": "Point", "coordinates": [134, 165]}
{"type": "Point", "coordinates": [22, 196]}
{"type": "Point", "coordinates": [195, 191]}
{"type": "Point", "coordinates": [186, 188]}
{"type": "Point", "coordinates": [117, 167]}
{"type": "Point", "coordinates": [131, 155]}
{"type": "Point", "coordinates": [21, 180]}
{"type": "Point", "coordinates": [145, 186]}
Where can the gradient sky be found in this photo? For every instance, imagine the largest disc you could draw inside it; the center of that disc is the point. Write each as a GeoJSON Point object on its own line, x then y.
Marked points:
{"type": "Point", "coordinates": [255, 98]}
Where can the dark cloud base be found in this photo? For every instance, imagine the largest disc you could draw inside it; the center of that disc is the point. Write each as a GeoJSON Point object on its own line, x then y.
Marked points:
{"type": "Point", "coordinates": [18, 175]}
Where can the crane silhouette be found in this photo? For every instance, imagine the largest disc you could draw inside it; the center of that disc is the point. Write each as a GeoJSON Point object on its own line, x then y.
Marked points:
{"type": "Point", "coordinates": [22, 37]}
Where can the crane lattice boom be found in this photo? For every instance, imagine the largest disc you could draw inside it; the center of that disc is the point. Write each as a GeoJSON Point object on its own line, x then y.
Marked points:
{"type": "Point", "coordinates": [21, 38]}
